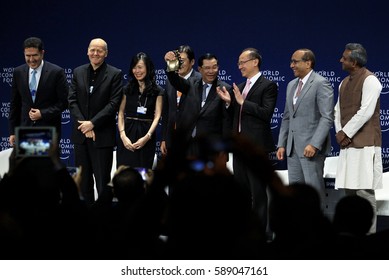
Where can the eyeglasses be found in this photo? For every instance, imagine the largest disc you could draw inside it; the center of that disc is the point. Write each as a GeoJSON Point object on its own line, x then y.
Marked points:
{"type": "Point", "coordinates": [295, 61]}
{"type": "Point", "coordinates": [210, 68]}
{"type": "Point", "coordinates": [240, 63]}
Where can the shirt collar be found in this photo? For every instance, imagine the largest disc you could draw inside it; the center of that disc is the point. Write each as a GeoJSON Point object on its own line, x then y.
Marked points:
{"type": "Point", "coordinates": [188, 75]}
{"type": "Point", "coordinates": [254, 78]}
{"type": "Point", "coordinates": [305, 79]}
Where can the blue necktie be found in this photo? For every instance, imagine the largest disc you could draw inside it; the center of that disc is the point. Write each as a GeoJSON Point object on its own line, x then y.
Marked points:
{"type": "Point", "coordinates": [33, 85]}
{"type": "Point", "coordinates": [203, 98]}
{"type": "Point", "coordinates": [204, 95]}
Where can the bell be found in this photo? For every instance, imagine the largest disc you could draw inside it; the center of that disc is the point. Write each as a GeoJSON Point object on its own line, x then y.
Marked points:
{"type": "Point", "coordinates": [174, 65]}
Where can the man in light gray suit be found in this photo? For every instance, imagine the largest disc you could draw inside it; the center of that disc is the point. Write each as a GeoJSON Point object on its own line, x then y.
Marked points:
{"type": "Point", "coordinates": [306, 123]}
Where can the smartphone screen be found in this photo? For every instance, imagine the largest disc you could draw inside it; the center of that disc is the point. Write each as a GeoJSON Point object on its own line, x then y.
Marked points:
{"type": "Point", "coordinates": [33, 141]}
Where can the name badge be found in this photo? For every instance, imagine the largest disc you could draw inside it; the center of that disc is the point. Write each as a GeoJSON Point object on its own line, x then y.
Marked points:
{"type": "Point", "coordinates": [141, 110]}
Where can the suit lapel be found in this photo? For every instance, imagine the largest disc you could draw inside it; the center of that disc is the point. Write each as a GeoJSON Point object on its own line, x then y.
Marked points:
{"type": "Point", "coordinates": [25, 78]}
{"type": "Point", "coordinates": [199, 92]}
{"type": "Point", "coordinates": [254, 86]}
{"type": "Point", "coordinates": [42, 82]}
{"type": "Point", "coordinates": [211, 96]}
{"type": "Point", "coordinates": [85, 78]}
{"type": "Point", "coordinates": [43, 77]}
{"type": "Point", "coordinates": [290, 97]}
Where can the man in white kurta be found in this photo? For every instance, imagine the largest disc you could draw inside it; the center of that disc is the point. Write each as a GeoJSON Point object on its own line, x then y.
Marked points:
{"type": "Point", "coordinates": [357, 127]}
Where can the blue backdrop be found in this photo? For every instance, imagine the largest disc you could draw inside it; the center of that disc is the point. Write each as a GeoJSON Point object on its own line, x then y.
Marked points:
{"type": "Point", "coordinates": [275, 28]}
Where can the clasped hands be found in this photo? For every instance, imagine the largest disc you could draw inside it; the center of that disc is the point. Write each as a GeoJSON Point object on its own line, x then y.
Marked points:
{"type": "Point", "coordinates": [342, 139]}
{"type": "Point", "coordinates": [34, 114]}
{"type": "Point", "coordinates": [133, 146]}
{"type": "Point", "coordinates": [86, 127]}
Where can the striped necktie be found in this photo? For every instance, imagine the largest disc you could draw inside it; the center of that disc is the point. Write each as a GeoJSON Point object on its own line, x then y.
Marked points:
{"type": "Point", "coordinates": [33, 85]}
{"type": "Point", "coordinates": [204, 94]}
{"type": "Point", "coordinates": [298, 92]}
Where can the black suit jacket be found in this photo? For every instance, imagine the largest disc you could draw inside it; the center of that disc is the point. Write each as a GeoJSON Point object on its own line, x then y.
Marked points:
{"type": "Point", "coordinates": [211, 119]}
{"type": "Point", "coordinates": [51, 97]}
{"type": "Point", "coordinates": [170, 109]}
{"type": "Point", "coordinates": [100, 107]}
{"type": "Point", "coordinates": [257, 112]}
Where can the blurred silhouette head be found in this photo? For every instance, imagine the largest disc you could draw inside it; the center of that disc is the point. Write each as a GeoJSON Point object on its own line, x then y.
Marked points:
{"type": "Point", "coordinates": [296, 210]}
{"type": "Point", "coordinates": [353, 215]}
{"type": "Point", "coordinates": [128, 184]}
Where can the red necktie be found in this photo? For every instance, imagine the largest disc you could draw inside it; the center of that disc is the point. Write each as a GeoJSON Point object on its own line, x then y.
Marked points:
{"type": "Point", "coordinates": [179, 94]}
{"type": "Point", "coordinates": [298, 92]}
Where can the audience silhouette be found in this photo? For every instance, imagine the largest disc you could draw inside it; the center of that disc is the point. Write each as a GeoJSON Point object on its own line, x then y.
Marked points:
{"type": "Point", "coordinates": [300, 227]}
{"type": "Point", "coordinates": [132, 220]}
{"type": "Point", "coordinates": [189, 208]}
{"type": "Point", "coordinates": [353, 216]}
{"type": "Point", "coordinates": [41, 210]}
{"type": "Point", "coordinates": [352, 220]}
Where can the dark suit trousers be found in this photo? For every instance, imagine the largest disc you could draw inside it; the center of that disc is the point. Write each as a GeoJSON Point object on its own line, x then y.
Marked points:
{"type": "Point", "coordinates": [96, 166]}
{"type": "Point", "coordinates": [253, 184]}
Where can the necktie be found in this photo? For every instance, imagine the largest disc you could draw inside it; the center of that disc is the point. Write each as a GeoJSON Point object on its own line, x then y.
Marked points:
{"type": "Point", "coordinates": [178, 98]}
{"type": "Point", "coordinates": [298, 92]}
{"type": "Point", "coordinates": [204, 95]}
{"type": "Point", "coordinates": [244, 95]}
{"type": "Point", "coordinates": [179, 94]}
{"type": "Point", "coordinates": [246, 89]}
{"type": "Point", "coordinates": [33, 85]}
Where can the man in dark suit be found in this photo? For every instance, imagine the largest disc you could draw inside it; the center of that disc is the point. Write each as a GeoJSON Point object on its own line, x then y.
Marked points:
{"type": "Point", "coordinates": [94, 98]}
{"type": "Point", "coordinates": [172, 97]}
{"type": "Point", "coordinates": [254, 103]}
{"type": "Point", "coordinates": [202, 112]}
{"type": "Point", "coordinates": [39, 91]}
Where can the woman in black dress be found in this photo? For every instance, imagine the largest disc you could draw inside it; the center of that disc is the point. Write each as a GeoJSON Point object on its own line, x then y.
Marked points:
{"type": "Point", "coordinates": [139, 114]}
